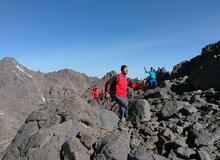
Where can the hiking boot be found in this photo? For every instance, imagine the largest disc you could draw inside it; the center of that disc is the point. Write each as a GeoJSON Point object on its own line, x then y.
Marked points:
{"type": "Point", "coordinates": [123, 125]}
{"type": "Point", "coordinates": [123, 120]}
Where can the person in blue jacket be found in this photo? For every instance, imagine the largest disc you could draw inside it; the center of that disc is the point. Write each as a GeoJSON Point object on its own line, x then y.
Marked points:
{"type": "Point", "coordinates": [153, 76]}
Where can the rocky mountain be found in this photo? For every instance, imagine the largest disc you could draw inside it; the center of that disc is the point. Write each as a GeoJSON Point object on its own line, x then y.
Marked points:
{"type": "Point", "coordinates": [203, 71]}
{"type": "Point", "coordinates": [174, 121]}
{"type": "Point", "coordinates": [22, 90]}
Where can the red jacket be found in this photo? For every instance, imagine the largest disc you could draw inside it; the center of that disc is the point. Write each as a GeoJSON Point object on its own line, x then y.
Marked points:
{"type": "Point", "coordinates": [121, 85]}
{"type": "Point", "coordinates": [96, 93]}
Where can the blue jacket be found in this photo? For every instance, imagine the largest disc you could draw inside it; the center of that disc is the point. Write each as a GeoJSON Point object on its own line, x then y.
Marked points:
{"type": "Point", "coordinates": [153, 74]}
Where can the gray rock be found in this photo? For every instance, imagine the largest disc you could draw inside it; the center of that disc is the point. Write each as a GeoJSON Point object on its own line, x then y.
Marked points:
{"type": "Point", "coordinates": [204, 139]}
{"type": "Point", "coordinates": [139, 110]}
{"type": "Point", "coordinates": [205, 153]}
{"type": "Point", "coordinates": [73, 149]}
{"type": "Point", "coordinates": [169, 108]}
{"type": "Point", "coordinates": [190, 109]}
{"type": "Point", "coordinates": [181, 69]}
{"type": "Point", "coordinates": [140, 154]}
{"type": "Point", "coordinates": [113, 147]}
{"type": "Point", "coordinates": [185, 152]}
{"type": "Point", "coordinates": [108, 119]}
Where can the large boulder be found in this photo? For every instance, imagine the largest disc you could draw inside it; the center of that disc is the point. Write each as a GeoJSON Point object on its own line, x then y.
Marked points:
{"type": "Point", "coordinates": [73, 149]}
{"type": "Point", "coordinates": [109, 120]}
{"type": "Point", "coordinates": [116, 146]}
{"type": "Point", "coordinates": [208, 74]}
{"type": "Point", "coordinates": [203, 70]}
{"type": "Point", "coordinates": [140, 154]}
{"type": "Point", "coordinates": [139, 110]}
{"type": "Point", "coordinates": [182, 69]}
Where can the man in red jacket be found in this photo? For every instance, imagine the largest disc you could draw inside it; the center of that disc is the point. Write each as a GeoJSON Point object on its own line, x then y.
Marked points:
{"type": "Point", "coordinates": [120, 92]}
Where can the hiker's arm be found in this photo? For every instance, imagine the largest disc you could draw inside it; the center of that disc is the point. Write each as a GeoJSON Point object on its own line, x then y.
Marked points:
{"type": "Point", "coordinates": [107, 84]}
{"type": "Point", "coordinates": [145, 70]}
{"type": "Point", "coordinates": [134, 85]}
{"type": "Point", "coordinates": [158, 70]}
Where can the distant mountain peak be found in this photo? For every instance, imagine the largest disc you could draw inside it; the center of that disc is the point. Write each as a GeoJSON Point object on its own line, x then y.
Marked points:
{"type": "Point", "coordinates": [9, 59]}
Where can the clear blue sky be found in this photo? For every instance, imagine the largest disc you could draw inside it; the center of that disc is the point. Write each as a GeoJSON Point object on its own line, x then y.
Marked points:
{"type": "Point", "coordinates": [96, 36]}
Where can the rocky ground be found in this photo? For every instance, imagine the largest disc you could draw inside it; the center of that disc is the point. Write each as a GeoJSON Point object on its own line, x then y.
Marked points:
{"type": "Point", "coordinates": [177, 120]}
{"type": "Point", "coordinates": [23, 90]}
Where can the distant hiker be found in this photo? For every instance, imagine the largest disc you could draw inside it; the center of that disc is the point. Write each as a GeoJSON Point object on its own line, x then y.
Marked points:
{"type": "Point", "coordinates": [96, 93]}
{"type": "Point", "coordinates": [153, 76]}
{"type": "Point", "coordinates": [120, 84]}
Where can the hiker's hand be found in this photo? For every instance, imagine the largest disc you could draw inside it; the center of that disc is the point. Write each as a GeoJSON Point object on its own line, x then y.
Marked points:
{"type": "Point", "coordinates": [107, 95]}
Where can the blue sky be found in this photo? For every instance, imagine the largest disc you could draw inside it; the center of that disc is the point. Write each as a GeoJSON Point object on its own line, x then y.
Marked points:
{"type": "Point", "coordinates": [97, 36]}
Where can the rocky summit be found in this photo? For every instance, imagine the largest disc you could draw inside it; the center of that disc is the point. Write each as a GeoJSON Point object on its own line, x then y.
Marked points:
{"type": "Point", "coordinates": [179, 119]}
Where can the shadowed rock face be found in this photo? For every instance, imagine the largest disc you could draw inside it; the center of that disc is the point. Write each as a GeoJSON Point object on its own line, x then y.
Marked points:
{"type": "Point", "coordinates": [21, 90]}
{"type": "Point", "coordinates": [67, 129]}
{"type": "Point", "coordinates": [203, 71]}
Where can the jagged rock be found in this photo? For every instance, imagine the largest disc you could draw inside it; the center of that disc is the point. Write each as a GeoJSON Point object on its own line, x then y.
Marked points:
{"type": "Point", "coordinates": [205, 154]}
{"type": "Point", "coordinates": [108, 119]}
{"type": "Point", "coordinates": [139, 110]}
{"type": "Point", "coordinates": [185, 152]}
{"type": "Point", "coordinates": [162, 76]}
{"type": "Point", "coordinates": [87, 140]}
{"type": "Point", "coordinates": [158, 157]}
{"type": "Point", "coordinates": [169, 108]}
{"type": "Point", "coordinates": [193, 118]}
{"type": "Point", "coordinates": [197, 101]}
{"type": "Point", "coordinates": [179, 129]}
{"type": "Point", "coordinates": [198, 68]}
{"type": "Point", "coordinates": [210, 66]}
{"type": "Point", "coordinates": [169, 135]}
{"type": "Point", "coordinates": [181, 69]}
{"type": "Point", "coordinates": [152, 93]}
{"type": "Point", "coordinates": [189, 109]}
{"type": "Point", "coordinates": [181, 142]}
{"type": "Point", "coordinates": [135, 142]}
{"type": "Point", "coordinates": [173, 156]}
{"type": "Point", "coordinates": [217, 144]}
{"type": "Point", "coordinates": [204, 139]}
{"type": "Point", "coordinates": [23, 90]}
{"type": "Point", "coordinates": [150, 144]}
{"type": "Point", "coordinates": [163, 93]}
{"type": "Point", "coordinates": [115, 146]}
{"type": "Point", "coordinates": [140, 154]}
{"type": "Point", "coordinates": [185, 96]}
{"type": "Point", "coordinates": [14, 151]}
{"type": "Point", "coordinates": [182, 86]}
{"type": "Point", "coordinates": [73, 149]}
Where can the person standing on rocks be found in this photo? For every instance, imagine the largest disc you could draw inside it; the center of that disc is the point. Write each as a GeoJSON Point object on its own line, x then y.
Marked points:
{"type": "Point", "coordinates": [121, 96]}
{"type": "Point", "coordinates": [153, 76]}
{"type": "Point", "coordinates": [96, 93]}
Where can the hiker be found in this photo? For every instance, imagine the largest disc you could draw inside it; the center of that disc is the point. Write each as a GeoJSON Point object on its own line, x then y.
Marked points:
{"type": "Point", "coordinates": [120, 96]}
{"type": "Point", "coordinates": [153, 76]}
{"type": "Point", "coordinates": [96, 93]}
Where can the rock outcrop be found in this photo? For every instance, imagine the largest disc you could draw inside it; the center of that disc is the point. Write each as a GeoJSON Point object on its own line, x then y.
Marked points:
{"type": "Point", "coordinates": [203, 71]}
{"type": "Point", "coordinates": [22, 90]}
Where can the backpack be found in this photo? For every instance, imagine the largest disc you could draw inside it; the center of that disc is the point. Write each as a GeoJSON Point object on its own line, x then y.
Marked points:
{"type": "Point", "coordinates": [113, 81]}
